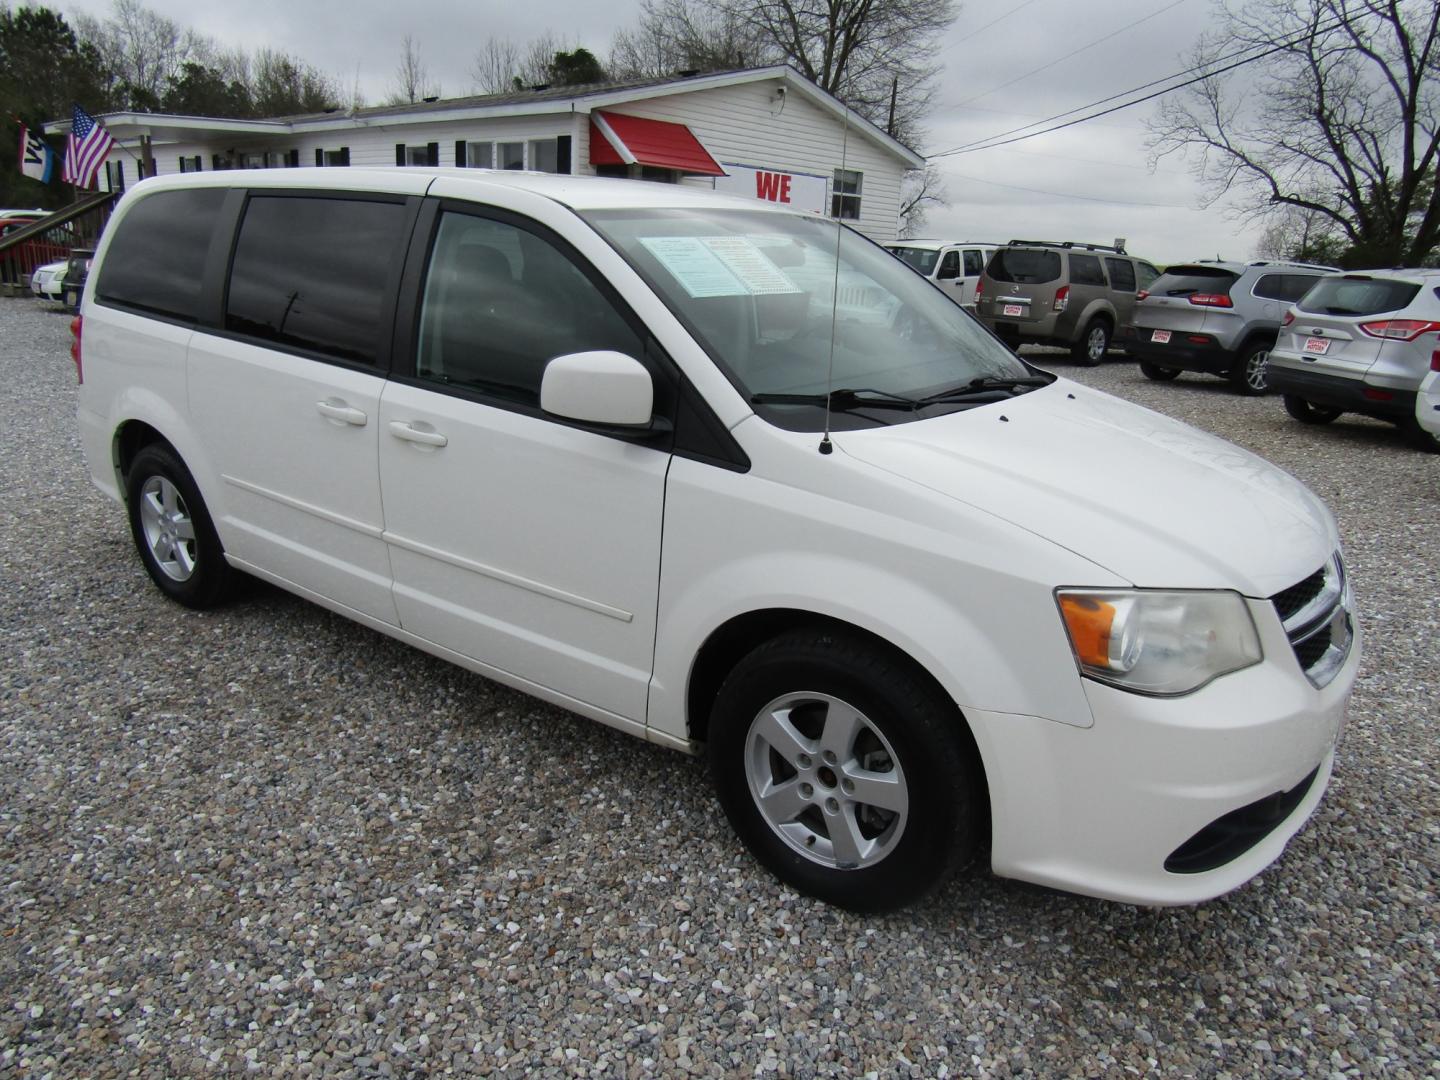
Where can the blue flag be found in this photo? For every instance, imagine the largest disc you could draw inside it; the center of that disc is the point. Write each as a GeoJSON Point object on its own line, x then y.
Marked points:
{"type": "Point", "coordinates": [37, 160]}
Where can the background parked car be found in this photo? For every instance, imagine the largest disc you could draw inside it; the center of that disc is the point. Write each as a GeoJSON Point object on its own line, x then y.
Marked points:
{"type": "Point", "coordinates": [1221, 318]}
{"type": "Point", "coordinates": [1427, 401]}
{"type": "Point", "coordinates": [954, 265]}
{"type": "Point", "coordinates": [48, 281]}
{"type": "Point", "coordinates": [1077, 295]}
{"type": "Point", "coordinates": [51, 245]}
{"type": "Point", "coordinates": [1361, 343]}
{"type": "Point", "coordinates": [78, 269]}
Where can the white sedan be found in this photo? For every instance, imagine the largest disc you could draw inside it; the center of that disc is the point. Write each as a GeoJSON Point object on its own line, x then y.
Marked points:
{"type": "Point", "coordinates": [1427, 401]}
{"type": "Point", "coordinates": [48, 281]}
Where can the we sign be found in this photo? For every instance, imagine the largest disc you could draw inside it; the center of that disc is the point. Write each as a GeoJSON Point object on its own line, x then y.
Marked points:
{"type": "Point", "coordinates": [800, 191]}
{"type": "Point", "coordinates": [772, 186]}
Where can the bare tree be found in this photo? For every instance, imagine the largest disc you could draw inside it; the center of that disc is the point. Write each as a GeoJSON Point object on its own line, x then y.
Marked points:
{"type": "Point", "coordinates": [1343, 123]}
{"type": "Point", "coordinates": [537, 56]}
{"type": "Point", "coordinates": [921, 189]}
{"type": "Point", "coordinates": [1302, 235]}
{"type": "Point", "coordinates": [141, 51]}
{"type": "Point", "coordinates": [495, 66]}
{"type": "Point", "coordinates": [412, 80]}
{"type": "Point", "coordinates": [678, 35]}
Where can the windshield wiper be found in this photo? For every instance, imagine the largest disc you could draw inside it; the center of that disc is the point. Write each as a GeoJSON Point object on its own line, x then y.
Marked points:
{"type": "Point", "coordinates": [983, 386]}
{"type": "Point", "coordinates": [842, 399]}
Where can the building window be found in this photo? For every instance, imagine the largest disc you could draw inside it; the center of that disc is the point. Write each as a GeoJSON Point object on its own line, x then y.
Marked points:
{"type": "Point", "coordinates": [511, 155]}
{"type": "Point", "coordinates": [479, 155]}
{"type": "Point", "coordinates": [333, 157]}
{"type": "Point", "coordinates": [845, 202]}
{"type": "Point", "coordinates": [190, 164]}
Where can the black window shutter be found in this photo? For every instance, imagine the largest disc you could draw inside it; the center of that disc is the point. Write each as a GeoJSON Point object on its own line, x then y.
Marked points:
{"type": "Point", "coordinates": [183, 164]}
{"type": "Point", "coordinates": [432, 153]}
{"type": "Point", "coordinates": [460, 153]}
{"type": "Point", "coordinates": [120, 173]}
{"type": "Point", "coordinates": [562, 154]}
{"type": "Point", "coordinates": [293, 159]}
{"type": "Point", "coordinates": [215, 161]}
{"type": "Point", "coordinates": [319, 156]}
{"type": "Point", "coordinates": [399, 153]}
{"type": "Point", "coordinates": [344, 155]}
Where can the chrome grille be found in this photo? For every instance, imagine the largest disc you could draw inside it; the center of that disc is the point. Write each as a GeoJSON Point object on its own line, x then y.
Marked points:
{"type": "Point", "coordinates": [1316, 615]}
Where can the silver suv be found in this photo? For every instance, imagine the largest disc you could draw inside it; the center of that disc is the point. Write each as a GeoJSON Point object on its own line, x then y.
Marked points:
{"type": "Point", "coordinates": [1045, 293]}
{"type": "Point", "coordinates": [1221, 318]}
{"type": "Point", "coordinates": [1361, 343]}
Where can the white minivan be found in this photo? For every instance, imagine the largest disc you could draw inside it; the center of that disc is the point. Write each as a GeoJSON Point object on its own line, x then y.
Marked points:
{"type": "Point", "coordinates": [953, 265]}
{"type": "Point", "coordinates": [622, 446]}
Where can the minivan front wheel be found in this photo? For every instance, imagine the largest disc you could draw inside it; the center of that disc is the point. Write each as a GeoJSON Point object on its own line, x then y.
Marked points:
{"type": "Point", "coordinates": [1093, 344]}
{"type": "Point", "coordinates": [843, 772]}
{"type": "Point", "coordinates": [172, 530]}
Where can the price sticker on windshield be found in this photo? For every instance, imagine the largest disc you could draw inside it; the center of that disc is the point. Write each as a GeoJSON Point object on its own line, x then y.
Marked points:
{"type": "Point", "coordinates": [1316, 345]}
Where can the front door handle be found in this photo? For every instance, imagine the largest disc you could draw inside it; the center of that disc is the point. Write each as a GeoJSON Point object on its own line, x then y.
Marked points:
{"type": "Point", "coordinates": [402, 430]}
{"type": "Point", "coordinates": [338, 410]}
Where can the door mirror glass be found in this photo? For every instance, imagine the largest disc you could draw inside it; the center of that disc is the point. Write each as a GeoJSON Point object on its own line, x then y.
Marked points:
{"type": "Point", "coordinates": [600, 387]}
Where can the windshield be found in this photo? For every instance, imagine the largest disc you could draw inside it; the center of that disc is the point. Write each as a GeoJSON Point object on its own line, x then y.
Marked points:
{"type": "Point", "coordinates": [922, 259]}
{"type": "Point", "coordinates": [760, 291]}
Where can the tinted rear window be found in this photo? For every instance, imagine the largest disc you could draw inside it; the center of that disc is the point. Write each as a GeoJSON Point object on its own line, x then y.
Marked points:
{"type": "Point", "coordinates": [1357, 296]}
{"type": "Point", "coordinates": [156, 258]}
{"type": "Point", "coordinates": [1024, 266]}
{"type": "Point", "coordinates": [313, 273]}
{"type": "Point", "coordinates": [1085, 270]}
{"type": "Point", "coordinates": [1287, 287]}
{"type": "Point", "coordinates": [1188, 280]}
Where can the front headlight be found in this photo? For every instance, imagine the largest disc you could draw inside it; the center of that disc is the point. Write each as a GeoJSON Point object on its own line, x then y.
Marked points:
{"type": "Point", "coordinates": [1162, 643]}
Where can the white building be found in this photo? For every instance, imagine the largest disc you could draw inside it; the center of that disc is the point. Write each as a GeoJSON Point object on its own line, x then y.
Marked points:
{"type": "Point", "coordinates": [765, 132]}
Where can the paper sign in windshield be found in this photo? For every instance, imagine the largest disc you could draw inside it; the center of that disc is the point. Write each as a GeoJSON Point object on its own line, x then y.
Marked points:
{"type": "Point", "coordinates": [719, 265]}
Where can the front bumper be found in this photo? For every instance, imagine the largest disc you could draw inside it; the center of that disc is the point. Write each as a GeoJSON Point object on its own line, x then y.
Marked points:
{"type": "Point", "coordinates": [1338, 392]}
{"type": "Point", "coordinates": [1099, 810]}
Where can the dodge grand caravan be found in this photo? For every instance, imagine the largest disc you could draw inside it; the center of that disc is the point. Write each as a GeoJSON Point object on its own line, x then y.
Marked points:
{"type": "Point", "coordinates": [649, 454]}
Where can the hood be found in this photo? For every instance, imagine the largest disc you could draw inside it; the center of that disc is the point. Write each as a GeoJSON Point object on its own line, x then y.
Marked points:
{"type": "Point", "coordinates": [1150, 499]}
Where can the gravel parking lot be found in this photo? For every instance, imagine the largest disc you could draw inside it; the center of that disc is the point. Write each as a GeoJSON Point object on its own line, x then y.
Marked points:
{"type": "Point", "coordinates": [266, 839]}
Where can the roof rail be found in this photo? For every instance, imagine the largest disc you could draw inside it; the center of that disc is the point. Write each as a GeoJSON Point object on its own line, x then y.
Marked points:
{"type": "Point", "coordinates": [1068, 244]}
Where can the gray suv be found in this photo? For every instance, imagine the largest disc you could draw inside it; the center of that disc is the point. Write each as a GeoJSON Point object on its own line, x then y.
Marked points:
{"type": "Point", "coordinates": [1047, 293]}
{"type": "Point", "coordinates": [1217, 317]}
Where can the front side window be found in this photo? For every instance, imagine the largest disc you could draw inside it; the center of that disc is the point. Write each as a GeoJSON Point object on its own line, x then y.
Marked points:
{"type": "Point", "coordinates": [1146, 274]}
{"type": "Point", "coordinates": [974, 263]}
{"type": "Point", "coordinates": [845, 201]}
{"type": "Point", "coordinates": [922, 259]}
{"type": "Point", "coordinates": [156, 259]}
{"type": "Point", "coordinates": [949, 266]}
{"type": "Point", "coordinates": [501, 302]}
{"type": "Point", "coordinates": [761, 292]}
{"type": "Point", "coordinates": [314, 273]}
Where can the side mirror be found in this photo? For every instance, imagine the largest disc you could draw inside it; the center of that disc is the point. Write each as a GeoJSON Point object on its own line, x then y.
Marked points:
{"type": "Point", "coordinates": [599, 387]}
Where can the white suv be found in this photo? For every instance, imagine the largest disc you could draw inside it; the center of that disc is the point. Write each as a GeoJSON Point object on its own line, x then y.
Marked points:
{"type": "Point", "coordinates": [1362, 343]}
{"type": "Point", "coordinates": [954, 265]}
{"type": "Point", "coordinates": [629, 448]}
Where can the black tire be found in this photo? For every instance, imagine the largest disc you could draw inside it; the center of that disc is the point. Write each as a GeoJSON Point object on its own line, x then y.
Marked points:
{"type": "Point", "coordinates": [172, 530]}
{"type": "Point", "coordinates": [1248, 374]}
{"type": "Point", "coordinates": [1158, 373]}
{"type": "Point", "coordinates": [1307, 413]}
{"type": "Point", "coordinates": [1092, 344]}
{"type": "Point", "coordinates": [908, 735]}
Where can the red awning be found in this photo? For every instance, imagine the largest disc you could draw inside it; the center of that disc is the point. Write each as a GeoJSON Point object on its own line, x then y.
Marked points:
{"type": "Point", "coordinates": [617, 139]}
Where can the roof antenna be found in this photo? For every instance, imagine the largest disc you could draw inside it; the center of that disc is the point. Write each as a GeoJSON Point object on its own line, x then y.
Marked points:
{"type": "Point", "coordinates": [826, 447]}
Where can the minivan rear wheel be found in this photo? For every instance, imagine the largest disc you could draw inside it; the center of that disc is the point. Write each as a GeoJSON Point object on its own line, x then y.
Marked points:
{"type": "Point", "coordinates": [1093, 343]}
{"type": "Point", "coordinates": [1307, 413]}
{"type": "Point", "coordinates": [172, 530]}
{"type": "Point", "coordinates": [844, 772]}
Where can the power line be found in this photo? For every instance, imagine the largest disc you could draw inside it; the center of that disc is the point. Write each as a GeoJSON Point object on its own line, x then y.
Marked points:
{"type": "Point", "coordinates": [990, 142]}
{"type": "Point", "coordinates": [1068, 195]}
{"type": "Point", "coordinates": [1073, 52]}
{"type": "Point", "coordinates": [992, 22]}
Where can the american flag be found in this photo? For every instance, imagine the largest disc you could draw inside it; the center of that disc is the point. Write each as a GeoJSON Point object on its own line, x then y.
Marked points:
{"type": "Point", "coordinates": [85, 149]}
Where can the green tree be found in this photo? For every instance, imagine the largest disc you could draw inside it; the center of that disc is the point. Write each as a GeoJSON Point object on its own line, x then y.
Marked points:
{"type": "Point", "coordinates": [201, 90]}
{"type": "Point", "coordinates": [575, 68]}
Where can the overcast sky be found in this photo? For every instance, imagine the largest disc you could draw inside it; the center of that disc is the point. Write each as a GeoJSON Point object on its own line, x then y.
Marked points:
{"type": "Point", "coordinates": [1090, 182]}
